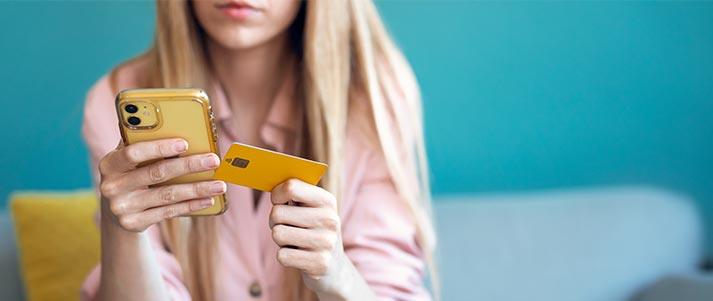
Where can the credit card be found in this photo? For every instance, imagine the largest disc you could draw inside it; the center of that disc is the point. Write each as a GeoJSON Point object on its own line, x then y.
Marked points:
{"type": "Point", "coordinates": [263, 169]}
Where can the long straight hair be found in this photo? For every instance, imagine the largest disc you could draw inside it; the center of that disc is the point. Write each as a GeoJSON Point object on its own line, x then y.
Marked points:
{"type": "Point", "coordinates": [344, 50]}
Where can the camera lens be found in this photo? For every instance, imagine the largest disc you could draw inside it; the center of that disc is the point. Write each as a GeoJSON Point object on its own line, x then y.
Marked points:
{"type": "Point", "coordinates": [134, 120]}
{"type": "Point", "coordinates": [131, 109]}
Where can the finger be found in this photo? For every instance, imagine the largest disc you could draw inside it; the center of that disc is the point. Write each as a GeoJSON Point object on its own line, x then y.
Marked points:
{"type": "Point", "coordinates": [298, 191]}
{"type": "Point", "coordinates": [141, 220]}
{"type": "Point", "coordinates": [304, 217]}
{"type": "Point", "coordinates": [170, 194]}
{"type": "Point", "coordinates": [164, 170]}
{"type": "Point", "coordinates": [310, 262]}
{"type": "Point", "coordinates": [306, 239]}
{"type": "Point", "coordinates": [125, 158]}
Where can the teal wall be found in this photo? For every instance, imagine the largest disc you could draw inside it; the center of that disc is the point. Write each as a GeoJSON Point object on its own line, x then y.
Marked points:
{"type": "Point", "coordinates": [518, 95]}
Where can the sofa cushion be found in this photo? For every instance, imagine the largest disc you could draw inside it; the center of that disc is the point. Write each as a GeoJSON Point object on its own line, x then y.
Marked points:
{"type": "Point", "coordinates": [58, 242]}
{"type": "Point", "coordinates": [586, 245]}
{"type": "Point", "coordinates": [681, 287]}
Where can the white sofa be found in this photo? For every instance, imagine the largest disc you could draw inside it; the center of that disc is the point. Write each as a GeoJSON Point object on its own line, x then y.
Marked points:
{"type": "Point", "coordinates": [609, 244]}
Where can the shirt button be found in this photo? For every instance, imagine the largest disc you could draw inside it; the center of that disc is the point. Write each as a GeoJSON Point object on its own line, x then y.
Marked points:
{"type": "Point", "coordinates": [255, 290]}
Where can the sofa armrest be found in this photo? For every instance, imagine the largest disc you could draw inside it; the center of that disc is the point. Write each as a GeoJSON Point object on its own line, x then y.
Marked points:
{"type": "Point", "coordinates": [683, 287]}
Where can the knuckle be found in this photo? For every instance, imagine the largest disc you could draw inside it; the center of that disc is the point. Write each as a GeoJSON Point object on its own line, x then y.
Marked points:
{"type": "Point", "coordinates": [276, 214]}
{"type": "Point", "coordinates": [274, 195]}
{"type": "Point", "coordinates": [290, 186]}
{"type": "Point", "coordinates": [163, 150]}
{"type": "Point", "coordinates": [282, 256]}
{"type": "Point", "coordinates": [132, 154]}
{"type": "Point", "coordinates": [330, 200]}
{"type": "Point", "coordinates": [157, 172]}
{"type": "Point", "coordinates": [169, 212]}
{"type": "Point", "coordinates": [331, 223]}
{"type": "Point", "coordinates": [117, 207]}
{"type": "Point", "coordinates": [126, 222]}
{"type": "Point", "coordinates": [193, 205]}
{"type": "Point", "coordinates": [108, 188]}
{"type": "Point", "coordinates": [103, 165]}
{"type": "Point", "coordinates": [199, 189]}
{"type": "Point", "coordinates": [275, 236]}
{"type": "Point", "coordinates": [183, 209]}
{"type": "Point", "coordinates": [322, 243]}
{"type": "Point", "coordinates": [330, 241]}
{"type": "Point", "coordinates": [191, 166]}
{"type": "Point", "coordinates": [167, 194]}
{"type": "Point", "coordinates": [278, 233]}
{"type": "Point", "coordinates": [323, 260]}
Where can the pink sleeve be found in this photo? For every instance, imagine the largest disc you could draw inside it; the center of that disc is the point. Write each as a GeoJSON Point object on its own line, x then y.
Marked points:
{"type": "Point", "coordinates": [379, 235]}
{"type": "Point", "coordinates": [170, 270]}
{"type": "Point", "coordinates": [101, 134]}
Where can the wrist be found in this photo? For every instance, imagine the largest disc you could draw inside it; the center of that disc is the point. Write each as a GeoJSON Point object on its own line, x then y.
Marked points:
{"type": "Point", "coordinates": [343, 282]}
{"type": "Point", "coordinates": [109, 226]}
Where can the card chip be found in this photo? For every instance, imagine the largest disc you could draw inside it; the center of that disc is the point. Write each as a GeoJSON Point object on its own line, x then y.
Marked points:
{"type": "Point", "coordinates": [240, 162]}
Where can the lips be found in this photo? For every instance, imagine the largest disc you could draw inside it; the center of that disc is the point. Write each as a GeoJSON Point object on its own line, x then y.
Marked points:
{"type": "Point", "coordinates": [239, 10]}
{"type": "Point", "coordinates": [235, 5]}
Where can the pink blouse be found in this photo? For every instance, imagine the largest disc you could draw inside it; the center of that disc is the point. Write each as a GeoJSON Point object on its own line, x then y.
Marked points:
{"type": "Point", "coordinates": [378, 232]}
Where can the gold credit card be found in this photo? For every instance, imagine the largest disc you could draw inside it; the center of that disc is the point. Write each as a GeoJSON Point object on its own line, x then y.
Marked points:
{"type": "Point", "coordinates": [264, 169]}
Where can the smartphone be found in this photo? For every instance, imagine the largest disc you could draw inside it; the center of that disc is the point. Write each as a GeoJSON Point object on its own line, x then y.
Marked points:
{"type": "Point", "coordinates": [151, 114]}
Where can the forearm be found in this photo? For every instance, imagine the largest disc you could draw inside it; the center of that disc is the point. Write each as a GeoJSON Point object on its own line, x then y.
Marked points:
{"type": "Point", "coordinates": [129, 270]}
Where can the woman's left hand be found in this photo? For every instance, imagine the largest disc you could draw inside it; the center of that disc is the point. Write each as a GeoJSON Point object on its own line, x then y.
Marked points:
{"type": "Point", "coordinates": [306, 226]}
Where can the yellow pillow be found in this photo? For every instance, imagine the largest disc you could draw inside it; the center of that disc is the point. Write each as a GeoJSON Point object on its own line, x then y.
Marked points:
{"type": "Point", "coordinates": [58, 241]}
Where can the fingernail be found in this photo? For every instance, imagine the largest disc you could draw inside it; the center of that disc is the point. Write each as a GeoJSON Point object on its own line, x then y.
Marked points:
{"type": "Point", "coordinates": [217, 187]}
{"type": "Point", "coordinates": [180, 146]}
{"type": "Point", "coordinates": [207, 203]}
{"type": "Point", "coordinates": [210, 161]}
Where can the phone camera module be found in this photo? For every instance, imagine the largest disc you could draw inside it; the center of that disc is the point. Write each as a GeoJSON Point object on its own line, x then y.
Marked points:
{"type": "Point", "coordinates": [134, 120]}
{"type": "Point", "coordinates": [131, 109]}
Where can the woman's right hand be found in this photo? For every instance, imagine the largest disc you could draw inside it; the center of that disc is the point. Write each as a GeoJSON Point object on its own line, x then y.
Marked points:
{"type": "Point", "coordinates": [125, 191]}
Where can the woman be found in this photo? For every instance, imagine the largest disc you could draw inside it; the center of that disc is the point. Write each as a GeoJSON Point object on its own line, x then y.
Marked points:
{"type": "Point", "coordinates": [319, 79]}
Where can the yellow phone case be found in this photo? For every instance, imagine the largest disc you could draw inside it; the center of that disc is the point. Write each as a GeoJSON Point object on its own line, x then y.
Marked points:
{"type": "Point", "coordinates": [264, 169]}
{"type": "Point", "coordinates": [151, 114]}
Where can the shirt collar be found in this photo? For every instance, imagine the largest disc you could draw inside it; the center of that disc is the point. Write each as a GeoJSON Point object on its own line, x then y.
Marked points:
{"type": "Point", "coordinates": [282, 121]}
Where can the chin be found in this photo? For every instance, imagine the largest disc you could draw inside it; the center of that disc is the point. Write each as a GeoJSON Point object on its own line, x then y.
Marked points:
{"type": "Point", "coordinates": [240, 38]}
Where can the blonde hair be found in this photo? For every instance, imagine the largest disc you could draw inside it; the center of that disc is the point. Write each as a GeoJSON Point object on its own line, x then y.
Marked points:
{"type": "Point", "coordinates": [345, 51]}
